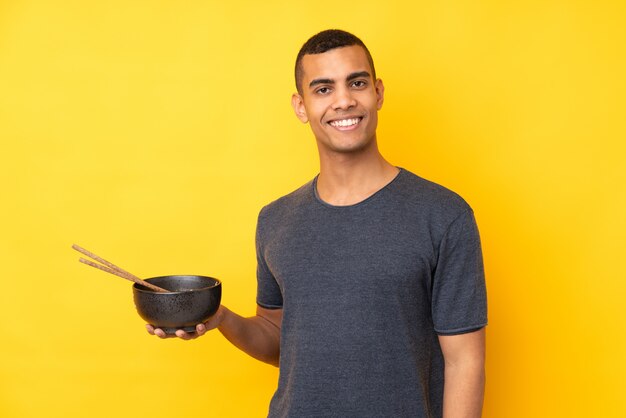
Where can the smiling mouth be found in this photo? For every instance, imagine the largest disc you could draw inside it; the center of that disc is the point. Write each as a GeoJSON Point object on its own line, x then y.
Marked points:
{"type": "Point", "coordinates": [345, 123]}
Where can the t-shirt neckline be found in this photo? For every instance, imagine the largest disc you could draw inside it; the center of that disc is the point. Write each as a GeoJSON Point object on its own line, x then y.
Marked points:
{"type": "Point", "coordinates": [367, 199]}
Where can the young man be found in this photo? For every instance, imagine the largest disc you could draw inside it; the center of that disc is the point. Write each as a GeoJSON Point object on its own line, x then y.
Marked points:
{"type": "Point", "coordinates": [371, 294]}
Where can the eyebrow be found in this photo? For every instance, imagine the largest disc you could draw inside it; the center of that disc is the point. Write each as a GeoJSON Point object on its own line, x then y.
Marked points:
{"type": "Point", "coordinates": [351, 77]}
{"type": "Point", "coordinates": [358, 75]}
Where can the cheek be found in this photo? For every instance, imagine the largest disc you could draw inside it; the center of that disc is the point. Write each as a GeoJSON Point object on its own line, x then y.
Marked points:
{"type": "Point", "coordinates": [315, 113]}
{"type": "Point", "coordinates": [317, 128]}
{"type": "Point", "coordinates": [373, 120]}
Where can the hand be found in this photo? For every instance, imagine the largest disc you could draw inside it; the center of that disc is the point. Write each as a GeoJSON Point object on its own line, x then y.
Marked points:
{"type": "Point", "coordinates": [201, 329]}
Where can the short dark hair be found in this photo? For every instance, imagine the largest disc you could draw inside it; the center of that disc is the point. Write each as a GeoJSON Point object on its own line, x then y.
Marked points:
{"type": "Point", "coordinates": [325, 41]}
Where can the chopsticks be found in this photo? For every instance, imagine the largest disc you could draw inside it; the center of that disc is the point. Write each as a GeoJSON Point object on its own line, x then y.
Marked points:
{"type": "Point", "coordinates": [113, 269]}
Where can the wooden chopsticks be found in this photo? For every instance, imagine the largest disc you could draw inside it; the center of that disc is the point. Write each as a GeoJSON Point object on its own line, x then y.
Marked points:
{"type": "Point", "coordinates": [113, 269]}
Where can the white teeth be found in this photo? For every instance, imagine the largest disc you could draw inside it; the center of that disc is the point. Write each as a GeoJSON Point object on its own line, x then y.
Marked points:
{"type": "Point", "coordinates": [345, 122]}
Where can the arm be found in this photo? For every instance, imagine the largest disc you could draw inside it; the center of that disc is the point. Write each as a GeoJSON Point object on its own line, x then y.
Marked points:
{"type": "Point", "coordinates": [464, 386]}
{"type": "Point", "coordinates": [258, 336]}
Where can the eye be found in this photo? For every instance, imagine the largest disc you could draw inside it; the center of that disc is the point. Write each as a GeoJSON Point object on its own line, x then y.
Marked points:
{"type": "Point", "coordinates": [323, 90]}
{"type": "Point", "coordinates": [359, 84]}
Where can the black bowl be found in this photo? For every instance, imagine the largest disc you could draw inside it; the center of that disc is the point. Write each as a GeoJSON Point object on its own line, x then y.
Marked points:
{"type": "Point", "coordinates": [191, 300]}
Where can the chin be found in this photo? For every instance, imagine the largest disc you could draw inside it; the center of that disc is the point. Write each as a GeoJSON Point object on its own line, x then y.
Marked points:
{"type": "Point", "coordinates": [351, 148]}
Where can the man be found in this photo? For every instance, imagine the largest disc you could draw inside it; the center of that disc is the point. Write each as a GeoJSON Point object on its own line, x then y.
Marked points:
{"type": "Point", "coordinates": [371, 295]}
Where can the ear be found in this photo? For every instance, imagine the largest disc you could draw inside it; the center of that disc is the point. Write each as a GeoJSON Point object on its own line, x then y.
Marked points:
{"type": "Point", "coordinates": [297, 102]}
{"type": "Point", "coordinates": [380, 93]}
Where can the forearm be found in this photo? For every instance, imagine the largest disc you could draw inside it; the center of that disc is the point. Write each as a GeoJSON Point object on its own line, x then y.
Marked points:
{"type": "Point", "coordinates": [464, 374]}
{"type": "Point", "coordinates": [464, 389]}
{"type": "Point", "coordinates": [257, 336]}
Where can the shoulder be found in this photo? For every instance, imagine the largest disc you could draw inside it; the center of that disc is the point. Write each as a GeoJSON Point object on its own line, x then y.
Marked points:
{"type": "Point", "coordinates": [431, 208]}
{"type": "Point", "coordinates": [287, 204]}
{"type": "Point", "coordinates": [429, 196]}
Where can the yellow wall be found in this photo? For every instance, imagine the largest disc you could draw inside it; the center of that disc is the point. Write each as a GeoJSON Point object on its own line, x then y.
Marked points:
{"type": "Point", "coordinates": [152, 132]}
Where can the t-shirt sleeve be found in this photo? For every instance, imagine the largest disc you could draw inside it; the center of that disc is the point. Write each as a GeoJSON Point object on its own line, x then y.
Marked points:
{"type": "Point", "coordinates": [268, 292]}
{"type": "Point", "coordinates": [459, 296]}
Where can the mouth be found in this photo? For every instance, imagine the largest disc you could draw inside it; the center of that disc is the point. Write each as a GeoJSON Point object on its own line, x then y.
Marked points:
{"type": "Point", "coordinates": [346, 124]}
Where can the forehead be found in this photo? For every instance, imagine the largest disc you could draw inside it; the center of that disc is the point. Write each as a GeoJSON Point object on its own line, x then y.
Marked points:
{"type": "Point", "coordinates": [335, 64]}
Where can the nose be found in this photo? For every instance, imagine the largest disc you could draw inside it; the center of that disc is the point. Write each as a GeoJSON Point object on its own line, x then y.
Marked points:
{"type": "Point", "coordinates": [343, 99]}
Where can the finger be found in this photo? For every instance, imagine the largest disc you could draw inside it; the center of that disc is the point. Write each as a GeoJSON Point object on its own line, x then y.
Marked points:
{"type": "Point", "coordinates": [200, 329]}
{"type": "Point", "coordinates": [183, 335]}
{"type": "Point", "coordinates": [150, 329]}
{"type": "Point", "coordinates": [160, 333]}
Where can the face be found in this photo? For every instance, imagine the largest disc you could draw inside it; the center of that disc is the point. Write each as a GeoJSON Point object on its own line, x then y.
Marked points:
{"type": "Point", "coordinates": [340, 100]}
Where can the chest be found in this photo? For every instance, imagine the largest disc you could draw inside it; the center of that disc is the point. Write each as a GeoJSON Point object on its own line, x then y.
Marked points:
{"type": "Point", "coordinates": [351, 255]}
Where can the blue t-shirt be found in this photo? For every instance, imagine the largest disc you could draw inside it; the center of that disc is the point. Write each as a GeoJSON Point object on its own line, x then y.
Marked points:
{"type": "Point", "coordinates": [365, 290]}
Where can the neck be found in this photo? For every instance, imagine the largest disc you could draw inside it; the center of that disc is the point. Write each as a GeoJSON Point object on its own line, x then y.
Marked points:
{"type": "Point", "coordinates": [349, 178]}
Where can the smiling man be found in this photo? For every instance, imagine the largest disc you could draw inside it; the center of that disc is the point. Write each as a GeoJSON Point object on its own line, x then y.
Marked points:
{"type": "Point", "coordinates": [371, 293]}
